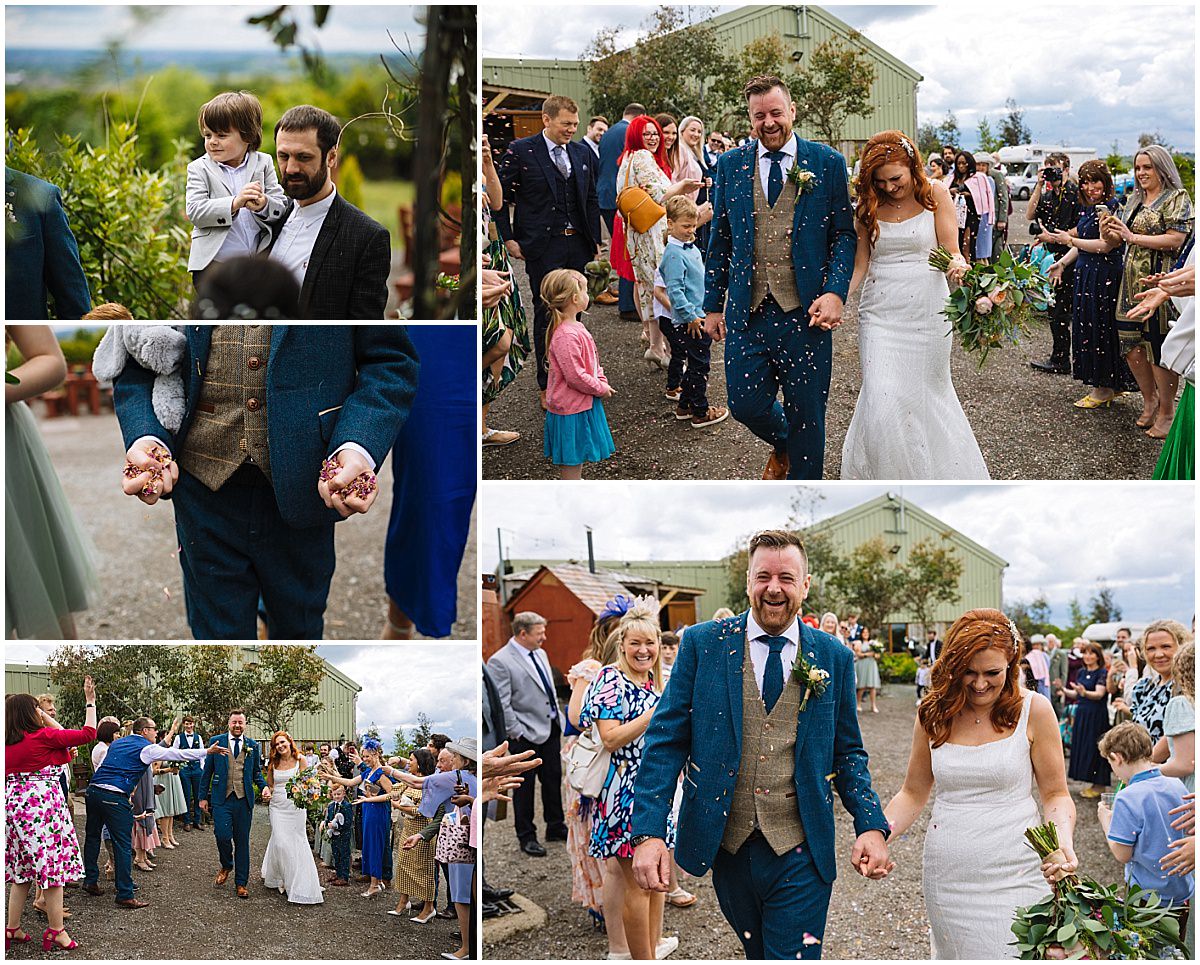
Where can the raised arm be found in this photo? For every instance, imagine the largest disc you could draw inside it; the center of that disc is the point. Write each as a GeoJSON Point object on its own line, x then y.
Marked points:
{"type": "Point", "coordinates": [44, 366]}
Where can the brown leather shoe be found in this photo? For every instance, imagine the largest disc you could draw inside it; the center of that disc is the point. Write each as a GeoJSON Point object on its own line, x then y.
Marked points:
{"type": "Point", "coordinates": [243, 891]}
{"type": "Point", "coordinates": [222, 877]}
{"type": "Point", "coordinates": [606, 298]}
{"type": "Point", "coordinates": [131, 903]}
{"type": "Point", "coordinates": [93, 890]}
{"type": "Point", "coordinates": [777, 466]}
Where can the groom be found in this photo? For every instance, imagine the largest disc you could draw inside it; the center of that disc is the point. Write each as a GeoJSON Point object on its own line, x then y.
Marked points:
{"type": "Point", "coordinates": [780, 258]}
{"type": "Point", "coordinates": [227, 786]}
{"type": "Point", "coordinates": [760, 761]}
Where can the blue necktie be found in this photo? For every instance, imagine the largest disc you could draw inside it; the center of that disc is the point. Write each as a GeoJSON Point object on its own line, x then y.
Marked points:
{"type": "Point", "coordinates": [545, 683]}
{"type": "Point", "coordinates": [775, 177]}
{"type": "Point", "coordinates": [773, 672]}
{"type": "Point", "coordinates": [237, 746]}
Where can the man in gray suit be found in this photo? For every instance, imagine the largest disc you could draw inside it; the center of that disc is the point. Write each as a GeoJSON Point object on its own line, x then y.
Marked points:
{"type": "Point", "coordinates": [1060, 667]}
{"type": "Point", "coordinates": [524, 682]}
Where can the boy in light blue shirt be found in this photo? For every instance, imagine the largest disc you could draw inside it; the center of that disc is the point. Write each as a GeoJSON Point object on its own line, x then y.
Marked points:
{"type": "Point", "coordinates": [682, 294]}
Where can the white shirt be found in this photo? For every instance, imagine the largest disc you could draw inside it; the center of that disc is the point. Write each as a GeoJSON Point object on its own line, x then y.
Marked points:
{"type": "Point", "coordinates": [552, 147]}
{"type": "Point", "coordinates": [242, 237]}
{"type": "Point", "coordinates": [764, 162]}
{"type": "Point", "coordinates": [299, 233]}
{"type": "Point", "coordinates": [156, 752]}
{"type": "Point", "coordinates": [760, 649]}
{"type": "Point", "coordinates": [593, 145]}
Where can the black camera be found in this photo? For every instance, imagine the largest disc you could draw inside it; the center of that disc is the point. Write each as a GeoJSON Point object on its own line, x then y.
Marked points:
{"type": "Point", "coordinates": [1035, 228]}
{"type": "Point", "coordinates": [1052, 174]}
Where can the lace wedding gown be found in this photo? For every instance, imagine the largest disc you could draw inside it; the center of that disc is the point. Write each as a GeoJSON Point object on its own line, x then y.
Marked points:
{"type": "Point", "coordinates": [289, 863]}
{"type": "Point", "coordinates": [908, 423]}
{"type": "Point", "coordinates": [978, 869]}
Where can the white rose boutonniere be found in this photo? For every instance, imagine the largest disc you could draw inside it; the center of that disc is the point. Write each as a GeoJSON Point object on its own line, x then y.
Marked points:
{"type": "Point", "coordinates": [812, 678]}
{"type": "Point", "coordinates": [802, 178]}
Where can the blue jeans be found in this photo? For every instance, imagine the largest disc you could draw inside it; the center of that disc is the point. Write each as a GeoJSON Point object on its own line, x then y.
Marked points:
{"type": "Point", "coordinates": [190, 778]}
{"type": "Point", "coordinates": [109, 809]}
{"type": "Point", "coordinates": [231, 825]}
{"type": "Point", "coordinates": [772, 900]}
{"type": "Point", "coordinates": [777, 350]}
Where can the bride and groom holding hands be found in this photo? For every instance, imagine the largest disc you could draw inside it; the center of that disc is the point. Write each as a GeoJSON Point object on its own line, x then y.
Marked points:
{"type": "Point", "coordinates": [786, 252]}
{"type": "Point", "coordinates": [760, 719]}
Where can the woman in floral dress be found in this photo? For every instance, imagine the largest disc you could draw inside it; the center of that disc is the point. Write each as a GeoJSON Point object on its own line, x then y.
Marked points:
{"type": "Point", "coordinates": [621, 702]}
{"type": "Point", "coordinates": [40, 846]}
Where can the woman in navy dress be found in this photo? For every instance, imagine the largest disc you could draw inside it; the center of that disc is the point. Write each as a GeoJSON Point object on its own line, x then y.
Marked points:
{"type": "Point", "coordinates": [1091, 721]}
{"type": "Point", "coordinates": [433, 461]}
{"type": "Point", "coordinates": [1096, 357]}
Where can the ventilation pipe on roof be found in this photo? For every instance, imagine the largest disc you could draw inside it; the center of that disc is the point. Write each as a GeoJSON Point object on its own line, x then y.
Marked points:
{"type": "Point", "coordinates": [591, 551]}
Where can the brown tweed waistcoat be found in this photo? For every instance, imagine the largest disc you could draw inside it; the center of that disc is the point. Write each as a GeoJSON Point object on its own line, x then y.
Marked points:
{"type": "Point", "coordinates": [773, 272]}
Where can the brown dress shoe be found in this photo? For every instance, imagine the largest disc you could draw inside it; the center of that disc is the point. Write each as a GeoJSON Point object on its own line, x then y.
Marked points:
{"type": "Point", "coordinates": [131, 903]}
{"type": "Point", "coordinates": [777, 466]}
{"type": "Point", "coordinates": [243, 891]}
{"type": "Point", "coordinates": [606, 298]}
{"type": "Point", "coordinates": [93, 890]}
{"type": "Point", "coordinates": [222, 877]}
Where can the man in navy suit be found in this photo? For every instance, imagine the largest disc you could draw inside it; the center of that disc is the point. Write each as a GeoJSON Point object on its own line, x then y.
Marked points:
{"type": "Point", "coordinates": [264, 406]}
{"type": "Point", "coordinates": [612, 146]}
{"type": "Point", "coordinates": [41, 258]}
{"type": "Point", "coordinates": [551, 182]}
{"type": "Point", "coordinates": [760, 719]}
{"type": "Point", "coordinates": [229, 785]}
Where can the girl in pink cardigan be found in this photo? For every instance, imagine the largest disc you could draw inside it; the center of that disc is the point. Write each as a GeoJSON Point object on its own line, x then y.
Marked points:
{"type": "Point", "coordinates": [576, 429]}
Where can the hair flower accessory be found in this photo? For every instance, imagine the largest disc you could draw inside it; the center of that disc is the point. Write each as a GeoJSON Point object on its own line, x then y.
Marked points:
{"type": "Point", "coordinates": [1016, 634]}
{"type": "Point", "coordinates": [616, 607]}
{"type": "Point", "coordinates": [907, 145]}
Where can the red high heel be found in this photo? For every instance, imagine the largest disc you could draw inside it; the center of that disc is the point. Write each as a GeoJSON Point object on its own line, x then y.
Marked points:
{"type": "Point", "coordinates": [10, 936]}
{"type": "Point", "coordinates": [50, 941]}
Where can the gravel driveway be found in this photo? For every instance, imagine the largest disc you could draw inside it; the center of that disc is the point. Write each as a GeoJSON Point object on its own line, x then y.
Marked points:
{"type": "Point", "coordinates": [867, 920]}
{"type": "Point", "coordinates": [1023, 420]}
{"type": "Point", "coordinates": [141, 586]}
{"type": "Point", "coordinates": [189, 918]}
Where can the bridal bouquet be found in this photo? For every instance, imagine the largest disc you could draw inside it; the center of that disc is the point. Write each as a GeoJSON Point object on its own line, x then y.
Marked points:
{"type": "Point", "coordinates": [308, 793]}
{"type": "Point", "coordinates": [995, 302]}
{"type": "Point", "coordinates": [1089, 920]}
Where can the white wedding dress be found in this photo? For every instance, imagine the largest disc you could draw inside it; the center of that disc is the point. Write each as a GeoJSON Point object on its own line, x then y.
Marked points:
{"type": "Point", "coordinates": [978, 869]}
{"type": "Point", "coordinates": [289, 863]}
{"type": "Point", "coordinates": [908, 423]}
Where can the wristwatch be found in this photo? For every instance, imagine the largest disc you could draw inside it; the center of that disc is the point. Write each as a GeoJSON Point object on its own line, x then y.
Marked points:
{"type": "Point", "coordinates": [88, 705]}
{"type": "Point", "coordinates": [638, 839]}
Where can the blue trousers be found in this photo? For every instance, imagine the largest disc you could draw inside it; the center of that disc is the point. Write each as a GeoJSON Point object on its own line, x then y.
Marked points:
{"type": "Point", "coordinates": [112, 810]}
{"type": "Point", "coordinates": [236, 547]}
{"type": "Point", "coordinates": [231, 825]}
{"type": "Point", "coordinates": [189, 777]}
{"type": "Point", "coordinates": [341, 853]}
{"type": "Point", "coordinates": [772, 900]}
{"type": "Point", "coordinates": [777, 350]}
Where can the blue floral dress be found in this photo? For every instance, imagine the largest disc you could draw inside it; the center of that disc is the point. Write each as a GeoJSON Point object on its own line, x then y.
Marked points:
{"type": "Point", "coordinates": [613, 696]}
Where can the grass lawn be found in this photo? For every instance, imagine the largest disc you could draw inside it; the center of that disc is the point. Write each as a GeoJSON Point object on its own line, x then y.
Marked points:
{"type": "Point", "coordinates": [380, 200]}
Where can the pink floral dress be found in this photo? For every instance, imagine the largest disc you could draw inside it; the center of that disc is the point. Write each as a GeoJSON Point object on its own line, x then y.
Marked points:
{"type": "Point", "coordinates": [39, 836]}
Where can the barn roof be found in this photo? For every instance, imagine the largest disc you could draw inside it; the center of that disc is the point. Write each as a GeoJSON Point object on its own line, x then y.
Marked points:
{"type": "Point", "coordinates": [593, 590]}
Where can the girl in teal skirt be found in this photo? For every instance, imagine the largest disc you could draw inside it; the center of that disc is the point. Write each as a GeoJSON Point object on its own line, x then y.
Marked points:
{"type": "Point", "coordinates": [576, 430]}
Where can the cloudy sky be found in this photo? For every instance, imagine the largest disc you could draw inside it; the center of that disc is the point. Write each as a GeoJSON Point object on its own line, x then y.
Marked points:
{"type": "Point", "coordinates": [349, 28]}
{"type": "Point", "coordinates": [1084, 74]}
{"type": "Point", "coordinates": [398, 681]}
{"type": "Point", "coordinates": [1058, 538]}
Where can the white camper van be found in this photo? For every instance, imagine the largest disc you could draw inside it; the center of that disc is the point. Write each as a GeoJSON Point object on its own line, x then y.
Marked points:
{"type": "Point", "coordinates": [1022, 163]}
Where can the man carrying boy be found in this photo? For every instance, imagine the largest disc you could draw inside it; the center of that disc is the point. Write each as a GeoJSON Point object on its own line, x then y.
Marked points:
{"type": "Point", "coordinates": [682, 273]}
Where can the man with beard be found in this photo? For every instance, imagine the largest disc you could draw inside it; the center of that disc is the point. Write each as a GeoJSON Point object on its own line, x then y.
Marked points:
{"type": "Point", "coordinates": [340, 257]}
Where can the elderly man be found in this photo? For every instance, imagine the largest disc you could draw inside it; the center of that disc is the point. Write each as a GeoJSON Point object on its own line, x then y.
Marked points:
{"type": "Point", "coordinates": [1059, 662]}
{"type": "Point", "coordinates": [523, 677]}
{"type": "Point", "coordinates": [987, 164]}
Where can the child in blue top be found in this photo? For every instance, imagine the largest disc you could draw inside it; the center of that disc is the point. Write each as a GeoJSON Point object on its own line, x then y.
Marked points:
{"type": "Point", "coordinates": [1138, 827]}
{"type": "Point", "coordinates": [682, 293]}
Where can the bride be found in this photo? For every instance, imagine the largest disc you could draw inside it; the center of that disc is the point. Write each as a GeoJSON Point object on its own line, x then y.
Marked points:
{"type": "Point", "coordinates": [983, 741]}
{"type": "Point", "coordinates": [908, 423]}
{"type": "Point", "coordinates": [288, 864]}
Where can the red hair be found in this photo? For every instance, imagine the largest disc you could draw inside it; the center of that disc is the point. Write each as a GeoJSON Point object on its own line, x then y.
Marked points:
{"type": "Point", "coordinates": [274, 757]}
{"type": "Point", "coordinates": [887, 147]}
{"type": "Point", "coordinates": [635, 140]}
{"type": "Point", "coordinates": [973, 633]}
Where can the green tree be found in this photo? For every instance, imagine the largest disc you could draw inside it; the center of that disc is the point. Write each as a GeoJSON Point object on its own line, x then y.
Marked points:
{"type": "Point", "coordinates": [401, 745]}
{"type": "Point", "coordinates": [207, 684]}
{"type": "Point", "coordinates": [422, 732]}
{"type": "Point", "coordinates": [1103, 606]}
{"type": "Point", "coordinates": [1030, 617]}
{"type": "Point", "coordinates": [930, 578]}
{"type": "Point", "coordinates": [283, 682]}
{"type": "Point", "coordinates": [834, 86]}
{"type": "Point", "coordinates": [871, 583]}
{"type": "Point", "coordinates": [827, 568]}
{"type": "Point", "coordinates": [948, 133]}
{"type": "Point", "coordinates": [1013, 129]}
{"type": "Point", "coordinates": [987, 140]}
{"type": "Point", "coordinates": [929, 140]}
{"type": "Point", "coordinates": [1116, 163]}
{"type": "Point", "coordinates": [763, 55]}
{"type": "Point", "coordinates": [128, 681]}
{"type": "Point", "coordinates": [372, 732]}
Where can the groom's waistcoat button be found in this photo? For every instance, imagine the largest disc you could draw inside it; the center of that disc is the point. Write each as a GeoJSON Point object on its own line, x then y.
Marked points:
{"type": "Point", "coordinates": [255, 362]}
{"type": "Point", "coordinates": [762, 757]}
{"type": "Point", "coordinates": [253, 404]}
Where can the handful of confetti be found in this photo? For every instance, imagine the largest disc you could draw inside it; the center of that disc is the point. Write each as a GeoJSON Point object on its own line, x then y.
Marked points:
{"type": "Point", "coordinates": [361, 485]}
{"type": "Point", "coordinates": [164, 459]}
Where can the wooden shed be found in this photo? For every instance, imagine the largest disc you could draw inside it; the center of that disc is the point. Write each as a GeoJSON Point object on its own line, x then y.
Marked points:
{"type": "Point", "coordinates": [510, 113]}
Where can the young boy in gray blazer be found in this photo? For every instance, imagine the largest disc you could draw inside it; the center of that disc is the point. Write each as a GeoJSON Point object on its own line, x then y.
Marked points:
{"type": "Point", "coordinates": [232, 189]}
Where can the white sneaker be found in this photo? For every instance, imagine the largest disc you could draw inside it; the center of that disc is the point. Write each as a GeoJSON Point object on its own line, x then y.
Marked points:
{"type": "Point", "coordinates": [666, 946]}
{"type": "Point", "coordinates": [619, 956]}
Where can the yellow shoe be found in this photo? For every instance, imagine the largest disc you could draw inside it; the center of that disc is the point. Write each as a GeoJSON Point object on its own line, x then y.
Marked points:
{"type": "Point", "coordinates": [1091, 402]}
{"type": "Point", "coordinates": [1089, 792]}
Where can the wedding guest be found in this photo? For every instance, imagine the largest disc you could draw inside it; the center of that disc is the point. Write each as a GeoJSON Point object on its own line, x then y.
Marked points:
{"type": "Point", "coordinates": [232, 190]}
{"type": "Point", "coordinates": [189, 773]}
{"type": "Point", "coordinates": [637, 254]}
{"type": "Point", "coordinates": [1039, 663]}
{"type": "Point", "coordinates": [1096, 264]}
{"type": "Point", "coordinates": [983, 191]}
{"type": "Point", "coordinates": [106, 732]}
{"type": "Point", "coordinates": [41, 847]}
{"type": "Point", "coordinates": [949, 154]}
{"type": "Point", "coordinates": [438, 742]}
{"type": "Point", "coordinates": [433, 493]}
{"type": "Point", "coordinates": [415, 879]}
{"type": "Point", "coordinates": [1138, 826]}
{"type": "Point", "coordinates": [1125, 672]}
{"type": "Point", "coordinates": [1161, 640]}
{"type": "Point", "coordinates": [145, 837]}
{"type": "Point", "coordinates": [576, 429]}
{"type": "Point", "coordinates": [866, 668]}
{"type": "Point", "coordinates": [339, 829]}
{"type": "Point", "coordinates": [376, 813]}
{"type": "Point", "coordinates": [1155, 223]}
{"type": "Point", "coordinates": [550, 181]}
{"type": "Point", "coordinates": [1054, 206]}
{"type": "Point", "coordinates": [924, 676]}
{"type": "Point", "coordinates": [692, 148]}
{"type": "Point", "coordinates": [621, 702]}
{"type": "Point", "coordinates": [171, 801]}
{"type": "Point", "coordinates": [596, 129]}
{"type": "Point", "coordinates": [1058, 664]}
{"type": "Point", "coordinates": [48, 573]}
{"type": "Point", "coordinates": [1091, 722]}
{"type": "Point", "coordinates": [41, 256]}
{"type": "Point", "coordinates": [612, 146]}
{"type": "Point", "coordinates": [965, 192]}
{"type": "Point", "coordinates": [1176, 751]}
{"type": "Point", "coordinates": [830, 625]}
{"type": "Point", "coordinates": [505, 329]}
{"type": "Point", "coordinates": [990, 165]}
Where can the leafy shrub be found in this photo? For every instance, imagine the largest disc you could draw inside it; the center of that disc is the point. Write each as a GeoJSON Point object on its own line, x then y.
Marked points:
{"type": "Point", "coordinates": [897, 668]}
{"type": "Point", "coordinates": [350, 180]}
